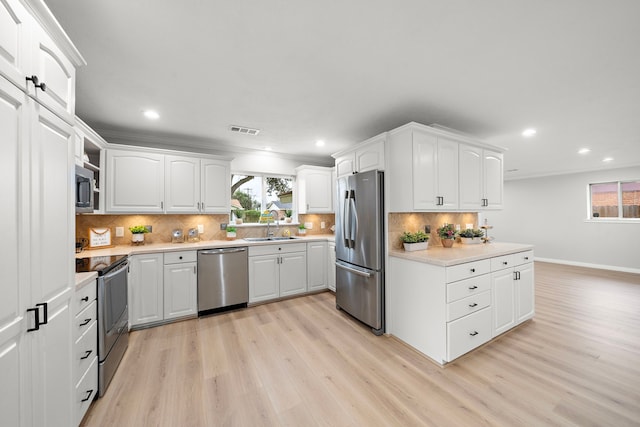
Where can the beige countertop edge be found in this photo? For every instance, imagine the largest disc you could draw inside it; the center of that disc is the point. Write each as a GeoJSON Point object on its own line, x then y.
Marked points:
{"type": "Point", "coordinates": [83, 279]}
{"type": "Point", "coordinates": [459, 253]}
{"type": "Point", "coordinates": [171, 247]}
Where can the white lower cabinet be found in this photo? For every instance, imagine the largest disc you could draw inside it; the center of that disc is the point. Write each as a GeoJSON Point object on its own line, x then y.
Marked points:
{"type": "Point", "coordinates": [146, 303]}
{"type": "Point", "coordinates": [162, 287]}
{"type": "Point", "coordinates": [180, 284]}
{"type": "Point", "coordinates": [331, 266]}
{"type": "Point", "coordinates": [277, 271]}
{"type": "Point", "coordinates": [450, 311]}
{"type": "Point", "coordinates": [512, 286]}
{"type": "Point", "coordinates": [85, 350]}
{"type": "Point", "coordinates": [316, 266]}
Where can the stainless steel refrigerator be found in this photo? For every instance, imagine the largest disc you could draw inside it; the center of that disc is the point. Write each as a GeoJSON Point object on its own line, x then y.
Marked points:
{"type": "Point", "coordinates": [360, 248]}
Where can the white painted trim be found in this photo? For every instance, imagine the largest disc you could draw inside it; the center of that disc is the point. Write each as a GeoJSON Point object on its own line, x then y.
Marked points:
{"type": "Point", "coordinates": [589, 265]}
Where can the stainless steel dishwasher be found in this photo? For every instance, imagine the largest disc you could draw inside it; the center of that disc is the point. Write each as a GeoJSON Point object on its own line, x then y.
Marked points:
{"type": "Point", "coordinates": [223, 279]}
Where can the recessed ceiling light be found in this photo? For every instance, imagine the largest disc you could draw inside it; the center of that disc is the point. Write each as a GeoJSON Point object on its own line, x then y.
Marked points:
{"type": "Point", "coordinates": [607, 159]}
{"type": "Point", "coordinates": [528, 132]}
{"type": "Point", "coordinates": [151, 115]}
{"type": "Point", "coordinates": [584, 151]}
{"type": "Point", "coordinates": [319, 143]}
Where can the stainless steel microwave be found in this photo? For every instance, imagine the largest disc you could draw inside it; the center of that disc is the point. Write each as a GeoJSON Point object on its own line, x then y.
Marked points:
{"type": "Point", "coordinates": [84, 190]}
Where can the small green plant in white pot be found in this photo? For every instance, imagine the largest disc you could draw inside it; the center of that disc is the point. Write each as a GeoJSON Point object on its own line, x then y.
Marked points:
{"type": "Point", "coordinates": [287, 215]}
{"type": "Point", "coordinates": [231, 232]}
{"type": "Point", "coordinates": [137, 233]}
{"type": "Point", "coordinates": [471, 236]}
{"type": "Point", "coordinates": [417, 241]}
{"type": "Point", "coordinates": [302, 230]}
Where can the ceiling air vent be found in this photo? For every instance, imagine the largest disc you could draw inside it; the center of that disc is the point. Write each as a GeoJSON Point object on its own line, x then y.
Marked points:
{"type": "Point", "coordinates": [244, 130]}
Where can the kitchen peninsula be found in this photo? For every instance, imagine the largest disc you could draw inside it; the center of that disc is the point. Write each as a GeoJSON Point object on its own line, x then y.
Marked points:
{"type": "Point", "coordinates": [445, 302]}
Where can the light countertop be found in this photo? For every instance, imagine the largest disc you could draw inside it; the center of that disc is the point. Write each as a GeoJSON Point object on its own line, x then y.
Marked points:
{"type": "Point", "coordinates": [460, 253]}
{"type": "Point", "coordinates": [149, 248]}
{"type": "Point", "coordinates": [83, 279]}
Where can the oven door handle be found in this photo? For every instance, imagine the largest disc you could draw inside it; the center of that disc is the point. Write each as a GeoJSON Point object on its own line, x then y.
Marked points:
{"type": "Point", "coordinates": [116, 271]}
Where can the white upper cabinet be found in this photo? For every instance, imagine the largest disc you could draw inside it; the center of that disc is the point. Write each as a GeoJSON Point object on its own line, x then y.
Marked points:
{"type": "Point", "coordinates": [216, 186]}
{"type": "Point", "coordinates": [57, 73]}
{"type": "Point", "coordinates": [148, 181]}
{"type": "Point", "coordinates": [481, 178]}
{"type": "Point", "coordinates": [182, 184]}
{"type": "Point", "coordinates": [135, 182]}
{"type": "Point", "coordinates": [432, 170]}
{"type": "Point", "coordinates": [15, 25]}
{"type": "Point", "coordinates": [435, 172]}
{"type": "Point", "coordinates": [315, 189]}
{"type": "Point", "coordinates": [367, 155]}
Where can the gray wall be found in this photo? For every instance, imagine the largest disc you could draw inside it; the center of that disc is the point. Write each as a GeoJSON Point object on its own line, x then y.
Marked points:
{"type": "Point", "coordinates": [550, 213]}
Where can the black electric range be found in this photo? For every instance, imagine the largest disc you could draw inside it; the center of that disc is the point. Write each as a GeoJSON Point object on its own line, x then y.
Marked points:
{"type": "Point", "coordinates": [101, 264]}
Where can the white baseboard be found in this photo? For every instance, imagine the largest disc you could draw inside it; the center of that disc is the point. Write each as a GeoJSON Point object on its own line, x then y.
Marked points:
{"type": "Point", "coordinates": [589, 265]}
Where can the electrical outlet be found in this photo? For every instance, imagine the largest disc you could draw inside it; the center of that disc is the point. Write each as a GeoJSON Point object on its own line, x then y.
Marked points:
{"type": "Point", "coordinates": [308, 225]}
{"type": "Point", "coordinates": [200, 228]}
{"type": "Point", "coordinates": [149, 228]}
{"type": "Point", "coordinates": [223, 226]}
{"type": "Point", "coordinates": [427, 229]}
{"type": "Point", "coordinates": [119, 231]}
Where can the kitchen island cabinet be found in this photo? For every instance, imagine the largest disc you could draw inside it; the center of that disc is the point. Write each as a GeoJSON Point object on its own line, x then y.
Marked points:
{"type": "Point", "coordinates": [443, 302]}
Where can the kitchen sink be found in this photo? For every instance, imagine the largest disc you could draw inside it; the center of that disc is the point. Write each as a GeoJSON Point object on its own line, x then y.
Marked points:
{"type": "Point", "coordinates": [268, 239]}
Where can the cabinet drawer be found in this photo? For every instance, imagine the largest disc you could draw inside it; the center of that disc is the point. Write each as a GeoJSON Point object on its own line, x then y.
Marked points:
{"type": "Point", "coordinates": [86, 391]}
{"type": "Point", "coordinates": [467, 287]}
{"type": "Point", "coordinates": [85, 296]}
{"type": "Point", "coordinates": [277, 249]}
{"type": "Point", "coordinates": [502, 262]}
{"type": "Point", "coordinates": [522, 257]}
{"type": "Point", "coordinates": [467, 333]}
{"type": "Point", "coordinates": [84, 319]}
{"type": "Point", "coordinates": [85, 350]}
{"type": "Point", "coordinates": [468, 305]}
{"type": "Point", "coordinates": [467, 270]}
{"type": "Point", "coordinates": [181, 256]}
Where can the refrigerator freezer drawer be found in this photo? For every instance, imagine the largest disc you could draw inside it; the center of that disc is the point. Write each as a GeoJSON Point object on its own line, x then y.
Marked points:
{"type": "Point", "coordinates": [359, 292]}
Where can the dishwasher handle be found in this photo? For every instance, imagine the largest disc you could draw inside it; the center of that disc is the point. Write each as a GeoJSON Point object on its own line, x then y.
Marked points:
{"type": "Point", "coordinates": [222, 251]}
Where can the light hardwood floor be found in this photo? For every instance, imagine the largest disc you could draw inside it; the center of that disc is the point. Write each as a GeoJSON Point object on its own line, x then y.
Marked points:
{"type": "Point", "coordinates": [300, 362]}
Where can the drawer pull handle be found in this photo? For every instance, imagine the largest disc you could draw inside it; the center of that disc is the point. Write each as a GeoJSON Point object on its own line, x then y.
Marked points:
{"type": "Point", "coordinates": [474, 333]}
{"type": "Point", "coordinates": [86, 322]}
{"type": "Point", "coordinates": [471, 288]}
{"type": "Point", "coordinates": [89, 393]}
{"type": "Point", "coordinates": [473, 270]}
{"type": "Point", "coordinates": [86, 354]}
{"type": "Point", "coordinates": [473, 305]}
{"type": "Point", "coordinates": [85, 299]}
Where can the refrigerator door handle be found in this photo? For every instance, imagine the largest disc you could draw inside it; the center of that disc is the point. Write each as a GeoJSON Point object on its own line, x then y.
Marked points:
{"type": "Point", "coordinates": [353, 270]}
{"type": "Point", "coordinates": [354, 216]}
{"type": "Point", "coordinates": [345, 219]}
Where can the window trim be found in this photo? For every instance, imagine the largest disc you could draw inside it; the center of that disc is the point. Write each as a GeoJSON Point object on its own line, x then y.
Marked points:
{"type": "Point", "coordinates": [611, 220]}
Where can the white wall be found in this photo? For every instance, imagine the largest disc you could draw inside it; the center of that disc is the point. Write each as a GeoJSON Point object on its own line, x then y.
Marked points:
{"type": "Point", "coordinates": [550, 213]}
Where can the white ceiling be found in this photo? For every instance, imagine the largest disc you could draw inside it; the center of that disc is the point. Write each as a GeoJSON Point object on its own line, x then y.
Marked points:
{"type": "Point", "coordinates": [343, 71]}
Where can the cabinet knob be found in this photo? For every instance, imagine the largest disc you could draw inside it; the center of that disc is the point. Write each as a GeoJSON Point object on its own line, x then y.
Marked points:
{"type": "Point", "coordinates": [180, 257]}
{"type": "Point", "coordinates": [504, 262]}
{"type": "Point", "coordinates": [526, 258]}
{"type": "Point", "coordinates": [473, 270]}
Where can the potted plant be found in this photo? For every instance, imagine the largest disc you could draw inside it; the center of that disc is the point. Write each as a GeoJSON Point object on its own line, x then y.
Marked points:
{"type": "Point", "coordinates": [447, 234]}
{"type": "Point", "coordinates": [239, 216]}
{"type": "Point", "coordinates": [138, 232]}
{"type": "Point", "coordinates": [231, 232]}
{"type": "Point", "coordinates": [287, 214]}
{"type": "Point", "coordinates": [417, 241]}
{"type": "Point", "coordinates": [471, 236]}
{"type": "Point", "coordinates": [302, 230]}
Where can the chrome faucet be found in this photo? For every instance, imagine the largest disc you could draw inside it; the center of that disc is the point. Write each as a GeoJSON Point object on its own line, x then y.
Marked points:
{"type": "Point", "coordinates": [276, 218]}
